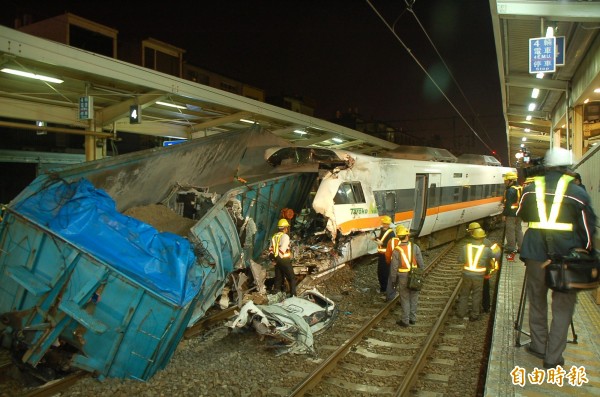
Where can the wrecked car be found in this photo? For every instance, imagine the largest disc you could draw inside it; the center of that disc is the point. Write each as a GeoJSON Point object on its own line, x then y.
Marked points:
{"type": "Point", "coordinates": [291, 322]}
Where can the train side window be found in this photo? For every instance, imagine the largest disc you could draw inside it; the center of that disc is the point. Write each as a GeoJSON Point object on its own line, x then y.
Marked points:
{"type": "Point", "coordinates": [349, 193]}
{"type": "Point", "coordinates": [405, 200]}
{"type": "Point", "coordinates": [390, 202]}
{"type": "Point", "coordinates": [465, 193]}
{"type": "Point", "coordinates": [477, 192]}
{"type": "Point", "coordinates": [446, 195]}
{"type": "Point", "coordinates": [456, 194]}
{"type": "Point", "coordinates": [487, 191]}
{"type": "Point", "coordinates": [433, 198]}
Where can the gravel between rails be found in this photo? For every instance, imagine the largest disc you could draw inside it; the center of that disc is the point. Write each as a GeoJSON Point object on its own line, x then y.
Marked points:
{"type": "Point", "coordinates": [237, 363]}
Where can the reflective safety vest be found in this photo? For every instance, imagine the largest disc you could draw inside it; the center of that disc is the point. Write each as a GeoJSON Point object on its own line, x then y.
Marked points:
{"type": "Point", "coordinates": [549, 223]}
{"type": "Point", "coordinates": [275, 240]}
{"type": "Point", "coordinates": [497, 252]}
{"type": "Point", "coordinates": [381, 249]}
{"type": "Point", "coordinates": [515, 205]}
{"type": "Point", "coordinates": [407, 260]}
{"type": "Point", "coordinates": [394, 241]}
{"type": "Point", "coordinates": [472, 264]}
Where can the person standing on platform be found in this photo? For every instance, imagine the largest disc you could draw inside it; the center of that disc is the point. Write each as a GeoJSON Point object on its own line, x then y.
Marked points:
{"type": "Point", "coordinates": [382, 266]}
{"type": "Point", "coordinates": [513, 230]}
{"type": "Point", "coordinates": [577, 181]}
{"type": "Point", "coordinates": [405, 255]}
{"type": "Point", "coordinates": [560, 219]}
{"type": "Point", "coordinates": [486, 301]}
{"type": "Point", "coordinates": [477, 260]}
{"type": "Point", "coordinates": [279, 250]}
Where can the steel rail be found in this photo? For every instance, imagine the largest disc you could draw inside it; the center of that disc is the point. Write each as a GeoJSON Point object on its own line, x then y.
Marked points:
{"type": "Point", "coordinates": [314, 378]}
{"type": "Point", "coordinates": [52, 388]}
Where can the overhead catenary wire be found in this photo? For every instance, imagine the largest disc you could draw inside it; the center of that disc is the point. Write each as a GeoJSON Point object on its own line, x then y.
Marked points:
{"type": "Point", "coordinates": [428, 75]}
{"type": "Point", "coordinates": [410, 9]}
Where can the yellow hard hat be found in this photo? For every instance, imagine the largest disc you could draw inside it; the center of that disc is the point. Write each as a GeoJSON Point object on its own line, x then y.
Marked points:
{"type": "Point", "coordinates": [478, 233]}
{"type": "Point", "coordinates": [473, 226]}
{"type": "Point", "coordinates": [283, 223]}
{"type": "Point", "coordinates": [386, 220]}
{"type": "Point", "coordinates": [401, 231]}
{"type": "Point", "coordinates": [510, 176]}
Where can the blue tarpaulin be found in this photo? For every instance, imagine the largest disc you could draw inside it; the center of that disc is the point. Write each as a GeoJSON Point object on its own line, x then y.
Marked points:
{"type": "Point", "coordinates": [87, 217]}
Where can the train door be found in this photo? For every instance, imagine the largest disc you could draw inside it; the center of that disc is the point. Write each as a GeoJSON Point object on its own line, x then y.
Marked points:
{"type": "Point", "coordinates": [426, 202]}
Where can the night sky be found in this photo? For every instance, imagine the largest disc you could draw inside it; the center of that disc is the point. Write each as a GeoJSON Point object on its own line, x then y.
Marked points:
{"type": "Point", "coordinates": [339, 54]}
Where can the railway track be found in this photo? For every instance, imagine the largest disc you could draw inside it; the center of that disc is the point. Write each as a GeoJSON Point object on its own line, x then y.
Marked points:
{"type": "Point", "coordinates": [364, 352]}
{"type": "Point", "coordinates": [379, 357]}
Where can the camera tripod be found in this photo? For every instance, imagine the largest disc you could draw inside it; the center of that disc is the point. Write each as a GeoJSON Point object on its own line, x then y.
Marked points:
{"type": "Point", "coordinates": [521, 316]}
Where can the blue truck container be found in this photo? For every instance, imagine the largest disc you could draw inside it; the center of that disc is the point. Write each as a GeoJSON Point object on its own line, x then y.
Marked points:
{"type": "Point", "coordinates": [111, 293]}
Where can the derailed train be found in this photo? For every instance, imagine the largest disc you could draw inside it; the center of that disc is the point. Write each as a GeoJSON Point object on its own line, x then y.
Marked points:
{"type": "Point", "coordinates": [83, 285]}
{"type": "Point", "coordinates": [433, 194]}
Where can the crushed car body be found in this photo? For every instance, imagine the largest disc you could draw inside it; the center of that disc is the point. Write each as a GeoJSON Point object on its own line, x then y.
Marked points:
{"type": "Point", "coordinates": [292, 321]}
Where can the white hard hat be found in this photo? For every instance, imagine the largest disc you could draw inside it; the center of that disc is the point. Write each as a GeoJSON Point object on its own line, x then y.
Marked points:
{"type": "Point", "coordinates": [557, 157]}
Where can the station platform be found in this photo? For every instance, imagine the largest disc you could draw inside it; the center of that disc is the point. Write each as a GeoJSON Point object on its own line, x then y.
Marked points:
{"type": "Point", "coordinates": [512, 371]}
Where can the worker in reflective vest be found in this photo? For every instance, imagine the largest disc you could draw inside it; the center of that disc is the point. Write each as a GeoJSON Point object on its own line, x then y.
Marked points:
{"type": "Point", "coordinates": [560, 218]}
{"type": "Point", "coordinates": [477, 260]}
{"type": "Point", "coordinates": [279, 249]}
{"type": "Point", "coordinates": [486, 300]}
{"type": "Point", "coordinates": [405, 255]}
{"type": "Point", "coordinates": [385, 235]}
{"type": "Point", "coordinates": [513, 229]}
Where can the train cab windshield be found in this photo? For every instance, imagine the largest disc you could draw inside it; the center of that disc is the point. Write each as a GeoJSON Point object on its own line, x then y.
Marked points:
{"type": "Point", "coordinates": [349, 193]}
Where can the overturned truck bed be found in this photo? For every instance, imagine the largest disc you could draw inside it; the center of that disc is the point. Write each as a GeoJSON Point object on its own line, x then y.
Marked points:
{"type": "Point", "coordinates": [87, 282]}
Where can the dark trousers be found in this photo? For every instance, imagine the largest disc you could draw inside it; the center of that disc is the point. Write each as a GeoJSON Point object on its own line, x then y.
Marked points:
{"type": "Point", "coordinates": [551, 339]}
{"type": "Point", "coordinates": [485, 299]}
{"type": "Point", "coordinates": [383, 271]}
{"type": "Point", "coordinates": [284, 269]}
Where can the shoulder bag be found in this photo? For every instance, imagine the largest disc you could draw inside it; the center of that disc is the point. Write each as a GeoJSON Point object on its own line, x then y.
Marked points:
{"type": "Point", "coordinates": [416, 278]}
{"type": "Point", "coordinates": [576, 271]}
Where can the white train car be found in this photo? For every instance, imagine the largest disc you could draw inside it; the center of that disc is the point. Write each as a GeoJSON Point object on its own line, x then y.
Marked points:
{"type": "Point", "coordinates": [434, 198]}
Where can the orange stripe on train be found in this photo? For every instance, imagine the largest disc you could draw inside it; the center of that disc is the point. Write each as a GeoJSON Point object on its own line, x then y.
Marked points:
{"type": "Point", "coordinates": [374, 222]}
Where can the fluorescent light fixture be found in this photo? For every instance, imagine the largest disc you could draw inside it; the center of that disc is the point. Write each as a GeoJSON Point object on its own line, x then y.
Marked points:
{"type": "Point", "coordinates": [526, 130]}
{"type": "Point", "coordinates": [171, 105]}
{"type": "Point", "coordinates": [550, 31]}
{"type": "Point", "coordinates": [337, 140]}
{"type": "Point", "coordinates": [300, 132]}
{"type": "Point", "coordinates": [528, 118]}
{"type": "Point", "coordinates": [41, 131]}
{"type": "Point", "coordinates": [535, 92]}
{"type": "Point", "coordinates": [532, 106]}
{"type": "Point", "coordinates": [586, 100]}
{"type": "Point", "coordinates": [31, 75]}
{"type": "Point", "coordinates": [524, 139]}
{"type": "Point", "coordinates": [597, 90]}
{"type": "Point", "coordinates": [247, 121]}
{"type": "Point", "coordinates": [539, 76]}
{"type": "Point", "coordinates": [522, 145]}
{"type": "Point", "coordinates": [563, 126]}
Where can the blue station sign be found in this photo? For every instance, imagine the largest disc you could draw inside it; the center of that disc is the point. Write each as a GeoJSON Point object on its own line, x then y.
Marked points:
{"type": "Point", "coordinates": [171, 143]}
{"type": "Point", "coordinates": [542, 55]}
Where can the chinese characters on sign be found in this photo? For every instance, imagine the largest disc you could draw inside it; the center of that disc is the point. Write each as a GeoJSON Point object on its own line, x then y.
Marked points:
{"type": "Point", "coordinates": [86, 108]}
{"type": "Point", "coordinates": [556, 376]}
{"type": "Point", "coordinates": [542, 55]}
